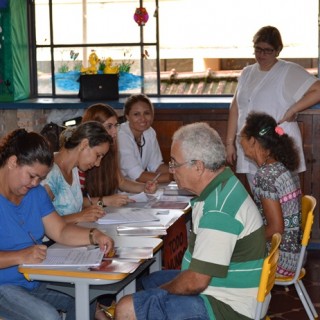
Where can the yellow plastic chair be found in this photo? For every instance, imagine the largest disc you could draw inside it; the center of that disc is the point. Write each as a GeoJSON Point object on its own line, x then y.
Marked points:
{"type": "Point", "coordinates": [308, 205]}
{"type": "Point", "coordinates": [268, 275]}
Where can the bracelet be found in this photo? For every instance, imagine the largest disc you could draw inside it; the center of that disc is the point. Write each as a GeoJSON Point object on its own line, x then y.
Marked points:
{"type": "Point", "coordinates": [91, 235]}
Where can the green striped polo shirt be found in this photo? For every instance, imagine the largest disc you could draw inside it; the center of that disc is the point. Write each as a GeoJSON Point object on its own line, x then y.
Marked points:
{"type": "Point", "coordinates": [227, 242]}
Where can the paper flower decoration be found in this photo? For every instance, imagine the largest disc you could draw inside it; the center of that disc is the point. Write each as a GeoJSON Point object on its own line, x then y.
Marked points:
{"type": "Point", "coordinates": [141, 16]}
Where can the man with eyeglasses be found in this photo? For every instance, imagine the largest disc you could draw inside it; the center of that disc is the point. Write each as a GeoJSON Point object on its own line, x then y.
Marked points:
{"type": "Point", "coordinates": [278, 87]}
{"type": "Point", "coordinates": [221, 268]}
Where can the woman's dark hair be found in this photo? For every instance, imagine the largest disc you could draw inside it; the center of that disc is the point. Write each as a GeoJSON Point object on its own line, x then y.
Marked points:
{"type": "Point", "coordinates": [103, 180]}
{"type": "Point", "coordinates": [28, 147]}
{"type": "Point", "coordinates": [264, 128]}
{"type": "Point", "coordinates": [51, 131]}
{"type": "Point", "coordinates": [94, 131]}
{"type": "Point", "coordinates": [270, 35]}
{"type": "Point", "coordinates": [134, 99]}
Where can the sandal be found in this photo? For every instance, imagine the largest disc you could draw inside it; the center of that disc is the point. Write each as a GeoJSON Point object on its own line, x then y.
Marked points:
{"type": "Point", "coordinates": [109, 311]}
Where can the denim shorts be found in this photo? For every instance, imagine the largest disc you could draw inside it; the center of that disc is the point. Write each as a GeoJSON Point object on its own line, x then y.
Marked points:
{"type": "Point", "coordinates": [157, 304]}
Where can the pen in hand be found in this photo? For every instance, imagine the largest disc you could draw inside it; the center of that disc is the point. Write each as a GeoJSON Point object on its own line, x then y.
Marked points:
{"type": "Point", "coordinates": [156, 177]}
{"type": "Point", "coordinates": [89, 198]}
{"type": "Point", "coordinates": [33, 238]}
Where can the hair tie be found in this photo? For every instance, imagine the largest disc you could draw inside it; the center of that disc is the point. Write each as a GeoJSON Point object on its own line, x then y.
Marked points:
{"type": "Point", "coordinates": [279, 130]}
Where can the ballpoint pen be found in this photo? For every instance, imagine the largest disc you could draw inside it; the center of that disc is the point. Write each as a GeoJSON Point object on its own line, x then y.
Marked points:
{"type": "Point", "coordinates": [32, 238]}
{"type": "Point", "coordinates": [89, 198]}
{"type": "Point", "coordinates": [156, 177]}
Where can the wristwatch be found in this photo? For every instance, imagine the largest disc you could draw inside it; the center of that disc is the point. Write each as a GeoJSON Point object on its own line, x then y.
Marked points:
{"type": "Point", "coordinates": [100, 202]}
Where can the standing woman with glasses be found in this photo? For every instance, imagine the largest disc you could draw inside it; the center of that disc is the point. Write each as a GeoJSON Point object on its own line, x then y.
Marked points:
{"type": "Point", "coordinates": [280, 88]}
{"type": "Point", "coordinates": [102, 183]}
{"type": "Point", "coordinates": [140, 154]}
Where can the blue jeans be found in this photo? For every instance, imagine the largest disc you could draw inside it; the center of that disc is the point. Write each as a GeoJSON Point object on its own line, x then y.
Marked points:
{"type": "Point", "coordinates": [38, 304]}
{"type": "Point", "coordinates": [157, 304]}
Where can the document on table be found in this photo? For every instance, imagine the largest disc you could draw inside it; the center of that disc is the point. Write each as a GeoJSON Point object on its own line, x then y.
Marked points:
{"type": "Point", "coordinates": [136, 253]}
{"type": "Point", "coordinates": [141, 230]}
{"type": "Point", "coordinates": [125, 259]}
{"type": "Point", "coordinates": [117, 266]}
{"type": "Point", "coordinates": [139, 197]}
{"type": "Point", "coordinates": [71, 257]}
{"type": "Point", "coordinates": [129, 215]}
{"type": "Point", "coordinates": [172, 189]}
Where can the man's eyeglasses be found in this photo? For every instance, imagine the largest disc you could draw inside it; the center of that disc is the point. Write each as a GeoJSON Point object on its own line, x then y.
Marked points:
{"type": "Point", "coordinates": [174, 165]}
{"type": "Point", "coordinates": [109, 126]}
{"type": "Point", "coordinates": [263, 50]}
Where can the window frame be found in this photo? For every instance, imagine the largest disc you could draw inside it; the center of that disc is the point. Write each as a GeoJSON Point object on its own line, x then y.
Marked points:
{"type": "Point", "coordinates": [52, 46]}
{"type": "Point", "coordinates": [141, 44]}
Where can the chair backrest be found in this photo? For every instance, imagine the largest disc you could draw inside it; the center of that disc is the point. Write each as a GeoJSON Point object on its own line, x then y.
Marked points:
{"type": "Point", "coordinates": [307, 216]}
{"type": "Point", "coordinates": [268, 273]}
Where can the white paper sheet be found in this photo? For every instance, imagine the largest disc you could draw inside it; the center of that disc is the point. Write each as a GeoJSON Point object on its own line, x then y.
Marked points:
{"type": "Point", "coordinates": [68, 257]}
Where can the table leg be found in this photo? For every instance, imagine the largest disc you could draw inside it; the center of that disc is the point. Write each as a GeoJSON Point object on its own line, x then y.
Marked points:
{"type": "Point", "coordinates": [82, 301]}
{"type": "Point", "coordinates": [157, 265]}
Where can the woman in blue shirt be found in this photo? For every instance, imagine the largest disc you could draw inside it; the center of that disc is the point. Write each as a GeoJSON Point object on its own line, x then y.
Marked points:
{"type": "Point", "coordinates": [26, 214]}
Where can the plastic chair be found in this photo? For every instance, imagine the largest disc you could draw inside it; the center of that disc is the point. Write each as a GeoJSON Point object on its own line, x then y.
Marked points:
{"type": "Point", "coordinates": [308, 205]}
{"type": "Point", "coordinates": [267, 278]}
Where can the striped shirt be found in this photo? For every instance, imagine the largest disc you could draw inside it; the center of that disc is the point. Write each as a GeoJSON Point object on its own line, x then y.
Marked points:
{"type": "Point", "coordinates": [228, 243]}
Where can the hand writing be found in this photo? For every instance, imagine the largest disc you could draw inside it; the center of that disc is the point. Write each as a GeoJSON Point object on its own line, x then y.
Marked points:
{"type": "Point", "coordinates": [34, 254]}
{"type": "Point", "coordinates": [92, 213]}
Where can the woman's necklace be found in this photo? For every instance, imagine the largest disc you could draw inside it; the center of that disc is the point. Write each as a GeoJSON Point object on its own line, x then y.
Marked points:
{"type": "Point", "coordinates": [140, 143]}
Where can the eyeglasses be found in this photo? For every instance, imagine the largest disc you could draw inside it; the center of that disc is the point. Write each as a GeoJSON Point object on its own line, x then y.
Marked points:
{"type": "Point", "coordinates": [174, 165]}
{"type": "Point", "coordinates": [267, 51]}
{"type": "Point", "coordinates": [109, 126]}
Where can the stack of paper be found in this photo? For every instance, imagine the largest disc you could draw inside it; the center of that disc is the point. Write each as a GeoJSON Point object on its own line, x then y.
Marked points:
{"type": "Point", "coordinates": [125, 259]}
{"type": "Point", "coordinates": [117, 266]}
{"type": "Point", "coordinates": [129, 215]}
{"type": "Point", "coordinates": [136, 253]}
{"type": "Point", "coordinates": [173, 190]}
{"type": "Point", "coordinates": [71, 257]}
{"type": "Point", "coordinates": [141, 230]}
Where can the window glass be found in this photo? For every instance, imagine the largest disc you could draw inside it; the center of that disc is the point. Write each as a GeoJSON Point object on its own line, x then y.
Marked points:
{"type": "Point", "coordinates": [44, 79]}
{"type": "Point", "coordinates": [202, 45]}
{"type": "Point", "coordinates": [42, 22]}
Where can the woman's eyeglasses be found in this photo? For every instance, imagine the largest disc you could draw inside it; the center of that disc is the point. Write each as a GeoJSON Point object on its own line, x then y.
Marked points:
{"type": "Point", "coordinates": [267, 51]}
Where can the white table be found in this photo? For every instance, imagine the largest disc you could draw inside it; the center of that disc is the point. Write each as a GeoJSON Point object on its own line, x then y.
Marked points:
{"type": "Point", "coordinates": [79, 282]}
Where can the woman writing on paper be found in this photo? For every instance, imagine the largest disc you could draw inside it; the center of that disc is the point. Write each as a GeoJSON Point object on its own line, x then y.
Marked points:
{"type": "Point", "coordinates": [102, 183]}
{"type": "Point", "coordinates": [26, 214]}
{"type": "Point", "coordinates": [140, 154]}
{"type": "Point", "coordinates": [83, 148]}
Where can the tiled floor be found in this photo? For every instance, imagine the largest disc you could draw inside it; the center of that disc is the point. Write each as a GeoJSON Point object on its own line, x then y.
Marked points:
{"type": "Point", "coordinates": [287, 305]}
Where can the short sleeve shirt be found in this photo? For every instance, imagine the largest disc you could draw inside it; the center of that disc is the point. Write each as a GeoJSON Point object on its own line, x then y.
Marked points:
{"type": "Point", "coordinates": [133, 162]}
{"type": "Point", "coordinates": [67, 198]}
{"type": "Point", "coordinates": [16, 222]}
